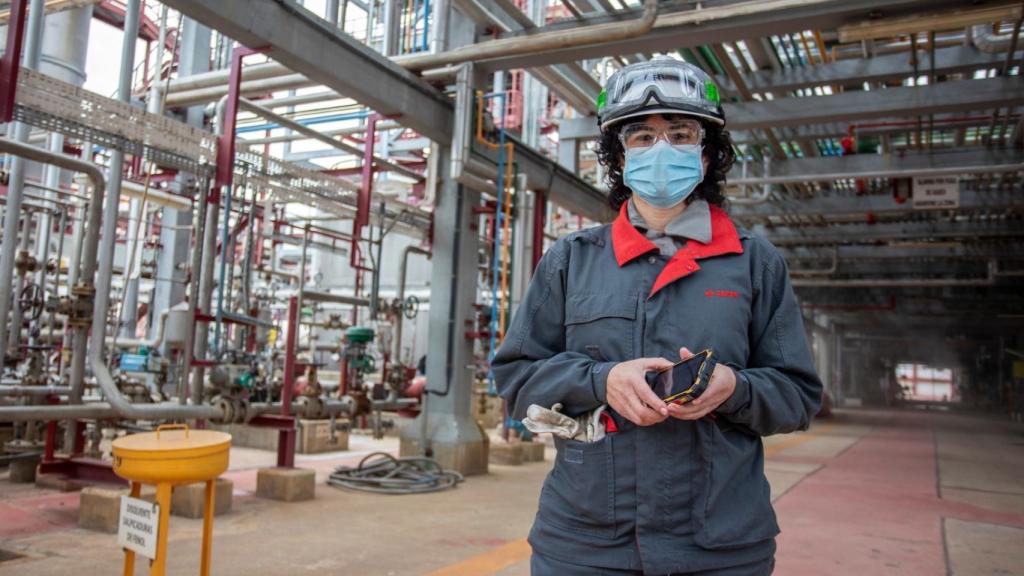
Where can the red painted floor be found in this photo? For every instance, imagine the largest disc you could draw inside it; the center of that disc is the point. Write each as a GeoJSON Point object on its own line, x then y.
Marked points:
{"type": "Point", "coordinates": [885, 490]}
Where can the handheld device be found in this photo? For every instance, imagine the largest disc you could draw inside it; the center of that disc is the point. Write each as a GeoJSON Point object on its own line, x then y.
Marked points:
{"type": "Point", "coordinates": [685, 381]}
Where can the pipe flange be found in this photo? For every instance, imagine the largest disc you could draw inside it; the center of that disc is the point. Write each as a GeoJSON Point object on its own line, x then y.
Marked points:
{"type": "Point", "coordinates": [311, 407]}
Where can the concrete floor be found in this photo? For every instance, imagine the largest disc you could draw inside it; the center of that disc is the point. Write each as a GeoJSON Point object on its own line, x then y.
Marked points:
{"type": "Point", "coordinates": [866, 493]}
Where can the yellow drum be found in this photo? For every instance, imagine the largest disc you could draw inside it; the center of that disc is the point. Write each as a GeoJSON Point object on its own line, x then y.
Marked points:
{"type": "Point", "coordinates": [173, 455]}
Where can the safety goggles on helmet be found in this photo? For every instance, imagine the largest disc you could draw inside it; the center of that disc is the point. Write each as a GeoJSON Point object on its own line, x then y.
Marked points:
{"type": "Point", "coordinates": [640, 135]}
{"type": "Point", "coordinates": [662, 85]}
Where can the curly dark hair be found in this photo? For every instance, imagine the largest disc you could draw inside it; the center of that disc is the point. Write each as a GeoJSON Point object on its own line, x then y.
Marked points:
{"type": "Point", "coordinates": [717, 147]}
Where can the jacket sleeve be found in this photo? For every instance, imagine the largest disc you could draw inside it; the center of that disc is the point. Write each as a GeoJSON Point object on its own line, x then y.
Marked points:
{"type": "Point", "coordinates": [779, 390]}
{"type": "Point", "coordinates": [532, 365]}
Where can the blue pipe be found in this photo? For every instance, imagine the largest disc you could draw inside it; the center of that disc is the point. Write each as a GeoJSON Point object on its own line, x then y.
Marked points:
{"type": "Point", "coordinates": [496, 263]}
{"type": "Point", "coordinates": [425, 46]}
{"type": "Point", "coordinates": [306, 121]}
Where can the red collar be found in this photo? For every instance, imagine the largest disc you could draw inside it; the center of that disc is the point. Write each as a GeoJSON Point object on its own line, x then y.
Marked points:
{"type": "Point", "coordinates": [629, 244]}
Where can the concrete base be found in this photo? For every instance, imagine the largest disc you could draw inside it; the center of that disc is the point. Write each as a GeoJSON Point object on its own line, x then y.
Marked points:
{"type": "Point", "coordinates": [286, 484]}
{"type": "Point", "coordinates": [23, 470]}
{"type": "Point", "coordinates": [313, 437]}
{"type": "Point", "coordinates": [463, 448]}
{"type": "Point", "coordinates": [506, 453]}
{"type": "Point", "coordinates": [533, 451]}
{"type": "Point", "coordinates": [189, 501]}
{"type": "Point", "coordinates": [489, 411]}
{"type": "Point", "coordinates": [100, 508]}
{"type": "Point", "coordinates": [6, 434]}
{"type": "Point", "coordinates": [59, 482]}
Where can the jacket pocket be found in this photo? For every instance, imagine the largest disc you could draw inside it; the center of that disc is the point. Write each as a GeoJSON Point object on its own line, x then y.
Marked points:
{"type": "Point", "coordinates": [733, 506]}
{"type": "Point", "coordinates": [579, 494]}
{"type": "Point", "coordinates": [605, 320]}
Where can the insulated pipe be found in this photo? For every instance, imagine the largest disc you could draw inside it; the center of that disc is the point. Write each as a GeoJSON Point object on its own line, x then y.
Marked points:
{"type": "Point", "coordinates": [35, 390]}
{"type": "Point", "coordinates": [985, 40]}
{"type": "Point", "coordinates": [900, 173]}
{"type": "Point", "coordinates": [112, 201]}
{"type": "Point", "coordinates": [824, 272]}
{"type": "Point", "coordinates": [16, 179]}
{"type": "Point", "coordinates": [396, 348]}
{"type": "Point", "coordinates": [538, 43]}
{"type": "Point", "coordinates": [900, 282]}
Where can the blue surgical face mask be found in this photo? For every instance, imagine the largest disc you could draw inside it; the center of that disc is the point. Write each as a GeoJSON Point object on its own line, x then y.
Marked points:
{"type": "Point", "coordinates": [664, 175]}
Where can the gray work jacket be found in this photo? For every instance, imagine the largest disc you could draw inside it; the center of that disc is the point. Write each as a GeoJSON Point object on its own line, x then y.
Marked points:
{"type": "Point", "coordinates": [678, 496]}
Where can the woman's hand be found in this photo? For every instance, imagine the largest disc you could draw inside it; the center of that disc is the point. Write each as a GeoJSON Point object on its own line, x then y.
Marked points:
{"type": "Point", "coordinates": [629, 394]}
{"type": "Point", "coordinates": [720, 388]}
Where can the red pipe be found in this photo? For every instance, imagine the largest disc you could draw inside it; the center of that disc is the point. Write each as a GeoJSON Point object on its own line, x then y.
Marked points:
{"type": "Point", "coordinates": [539, 212]}
{"type": "Point", "coordinates": [10, 64]}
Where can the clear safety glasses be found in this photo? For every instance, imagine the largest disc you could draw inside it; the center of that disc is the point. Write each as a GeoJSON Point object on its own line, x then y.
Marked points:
{"type": "Point", "coordinates": [677, 133]}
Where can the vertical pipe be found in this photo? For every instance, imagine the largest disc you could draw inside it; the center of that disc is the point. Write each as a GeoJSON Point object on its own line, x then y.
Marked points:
{"type": "Point", "coordinates": [331, 12]}
{"type": "Point", "coordinates": [16, 177]}
{"type": "Point", "coordinates": [112, 200]}
{"type": "Point", "coordinates": [539, 211]}
{"type": "Point", "coordinates": [137, 208]}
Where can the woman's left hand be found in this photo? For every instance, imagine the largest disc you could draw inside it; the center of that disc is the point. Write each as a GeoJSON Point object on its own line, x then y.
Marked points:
{"type": "Point", "coordinates": [721, 387]}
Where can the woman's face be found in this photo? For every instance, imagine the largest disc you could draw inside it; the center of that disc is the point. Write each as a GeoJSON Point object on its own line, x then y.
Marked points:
{"type": "Point", "coordinates": [662, 122]}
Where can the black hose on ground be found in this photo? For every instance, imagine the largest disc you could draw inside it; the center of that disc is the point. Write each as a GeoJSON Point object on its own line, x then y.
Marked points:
{"type": "Point", "coordinates": [382, 473]}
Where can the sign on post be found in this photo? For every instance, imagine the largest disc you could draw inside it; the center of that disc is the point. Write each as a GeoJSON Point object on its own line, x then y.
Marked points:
{"type": "Point", "coordinates": [138, 526]}
{"type": "Point", "coordinates": [936, 192]}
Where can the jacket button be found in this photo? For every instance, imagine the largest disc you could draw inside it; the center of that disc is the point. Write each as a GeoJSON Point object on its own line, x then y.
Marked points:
{"type": "Point", "coordinates": [652, 259]}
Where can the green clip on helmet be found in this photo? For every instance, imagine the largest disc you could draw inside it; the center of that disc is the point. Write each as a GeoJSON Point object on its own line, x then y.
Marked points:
{"type": "Point", "coordinates": [660, 85]}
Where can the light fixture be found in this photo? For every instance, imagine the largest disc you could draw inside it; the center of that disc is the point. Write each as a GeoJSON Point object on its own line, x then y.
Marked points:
{"type": "Point", "coordinates": [890, 27]}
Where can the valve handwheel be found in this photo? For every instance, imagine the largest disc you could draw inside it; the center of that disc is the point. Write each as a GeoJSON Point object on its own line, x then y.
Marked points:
{"type": "Point", "coordinates": [411, 306]}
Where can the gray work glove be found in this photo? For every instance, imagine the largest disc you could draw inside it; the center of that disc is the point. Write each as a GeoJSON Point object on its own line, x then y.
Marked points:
{"type": "Point", "coordinates": [585, 427]}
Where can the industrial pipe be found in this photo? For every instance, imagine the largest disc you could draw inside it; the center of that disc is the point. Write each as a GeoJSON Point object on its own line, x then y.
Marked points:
{"type": "Point", "coordinates": [897, 173]}
{"type": "Point", "coordinates": [537, 43]}
{"type": "Point", "coordinates": [340, 145]}
{"type": "Point", "coordinates": [35, 390]}
{"type": "Point", "coordinates": [396, 347]}
{"type": "Point", "coordinates": [119, 405]}
{"type": "Point", "coordinates": [901, 282]}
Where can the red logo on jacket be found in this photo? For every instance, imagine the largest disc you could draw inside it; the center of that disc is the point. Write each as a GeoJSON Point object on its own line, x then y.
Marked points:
{"type": "Point", "coordinates": [722, 294]}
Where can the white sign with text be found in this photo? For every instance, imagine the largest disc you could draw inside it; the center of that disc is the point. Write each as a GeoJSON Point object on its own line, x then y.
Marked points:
{"type": "Point", "coordinates": [138, 526]}
{"type": "Point", "coordinates": [936, 192]}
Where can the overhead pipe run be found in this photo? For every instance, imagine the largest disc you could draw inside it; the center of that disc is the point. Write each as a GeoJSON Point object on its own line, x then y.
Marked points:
{"type": "Point", "coordinates": [540, 42]}
{"type": "Point", "coordinates": [900, 173]}
{"type": "Point", "coordinates": [989, 280]}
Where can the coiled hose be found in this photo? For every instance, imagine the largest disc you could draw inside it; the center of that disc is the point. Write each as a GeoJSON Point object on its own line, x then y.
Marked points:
{"type": "Point", "coordinates": [382, 473]}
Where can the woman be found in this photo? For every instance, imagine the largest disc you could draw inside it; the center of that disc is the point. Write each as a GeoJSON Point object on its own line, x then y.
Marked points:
{"type": "Point", "coordinates": [669, 489]}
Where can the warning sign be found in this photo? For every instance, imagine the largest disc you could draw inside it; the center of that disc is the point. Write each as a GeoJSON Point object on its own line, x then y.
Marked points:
{"type": "Point", "coordinates": [936, 192]}
{"type": "Point", "coordinates": [137, 529]}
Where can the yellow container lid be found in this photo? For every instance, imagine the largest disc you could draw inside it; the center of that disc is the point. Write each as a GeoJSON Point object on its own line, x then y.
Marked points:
{"type": "Point", "coordinates": [175, 441]}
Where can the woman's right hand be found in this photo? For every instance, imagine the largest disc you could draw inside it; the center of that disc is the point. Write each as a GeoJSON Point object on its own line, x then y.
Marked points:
{"type": "Point", "coordinates": [628, 393]}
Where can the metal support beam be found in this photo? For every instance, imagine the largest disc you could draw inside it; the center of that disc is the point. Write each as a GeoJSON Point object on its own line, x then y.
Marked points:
{"type": "Point", "coordinates": [304, 42]}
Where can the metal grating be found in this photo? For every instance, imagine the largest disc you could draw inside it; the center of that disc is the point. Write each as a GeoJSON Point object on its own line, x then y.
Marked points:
{"type": "Point", "coordinates": [50, 104]}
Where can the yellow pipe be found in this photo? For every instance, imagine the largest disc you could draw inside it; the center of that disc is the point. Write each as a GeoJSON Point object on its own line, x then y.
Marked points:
{"type": "Point", "coordinates": [807, 47]}
{"type": "Point", "coordinates": [821, 45]}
